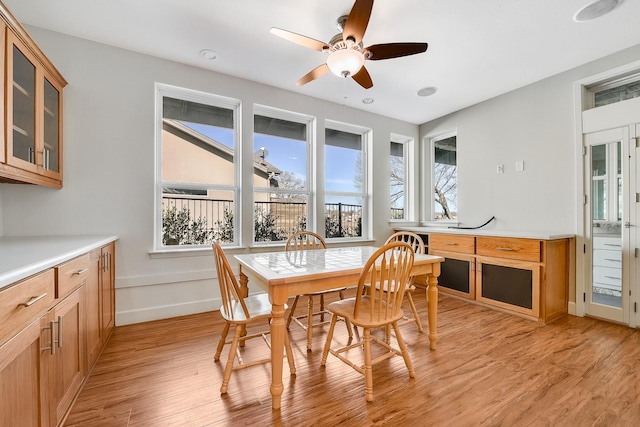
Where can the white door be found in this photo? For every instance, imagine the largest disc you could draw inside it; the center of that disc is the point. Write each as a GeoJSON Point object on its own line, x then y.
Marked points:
{"type": "Point", "coordinates": [607, 168]}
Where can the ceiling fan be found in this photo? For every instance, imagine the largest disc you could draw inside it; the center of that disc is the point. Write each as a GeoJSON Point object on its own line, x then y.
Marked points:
{"type": "Point", "coordinates": [346, 52]}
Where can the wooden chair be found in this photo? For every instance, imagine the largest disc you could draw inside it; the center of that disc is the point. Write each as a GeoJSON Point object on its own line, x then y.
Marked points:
{"type": "Point", "coordinates": [308, 240]}
{"type": "Point", "coordinates": [240, 312]}
{"type": "Point", "coordinates": [389, 267]}
{"type": "Point", "coordinates": [413, 240]}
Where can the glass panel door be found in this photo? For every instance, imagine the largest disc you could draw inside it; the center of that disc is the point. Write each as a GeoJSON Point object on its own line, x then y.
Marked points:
{"type": "Point", "coordinates": [24, 107]}
{"type": "Point", "coordinates": [608, 293]}
{"type": "Point", "coordinates": [51, 149]}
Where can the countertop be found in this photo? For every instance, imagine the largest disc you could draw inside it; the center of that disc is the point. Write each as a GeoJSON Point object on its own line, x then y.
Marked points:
{"type": "Point", "coordinates": [21, 257]}
{"type": "Point", "coordinates": [489, 232]}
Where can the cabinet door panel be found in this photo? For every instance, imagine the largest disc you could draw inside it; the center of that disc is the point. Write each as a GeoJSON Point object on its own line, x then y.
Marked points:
{"type": "Point", "coordinates": [67, 368]}
{"type": "Point", "coordinates": [21, 100]}
{"type": "Point", "coordinates": [23, 378]}
{"type": "Point", "coordinates": [107, 289]}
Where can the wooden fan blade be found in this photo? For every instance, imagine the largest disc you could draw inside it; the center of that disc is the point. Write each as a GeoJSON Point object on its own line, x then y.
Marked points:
{"type": "Point", "coordinates": [357, 20]}
{"type": "Point", "coordinates": [363, 78]}
{"type": "Point", "coordinates": [300, 39]}
{"type": "Point", "coordinates": [393, 50]}
{"type": "Point", "coordinates": [313, 74]}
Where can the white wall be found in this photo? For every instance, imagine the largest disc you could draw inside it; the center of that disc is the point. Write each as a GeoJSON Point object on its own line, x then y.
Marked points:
{"type": "Point", "coordinates": [534, 124]}
{"type": "Point", "coordinates": [109, 167]}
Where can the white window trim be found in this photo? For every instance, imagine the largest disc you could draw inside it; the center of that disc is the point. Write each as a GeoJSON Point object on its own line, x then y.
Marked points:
{"type": "Point", "coordinates": [162, 90]}
{"type": "Point", "coordinates": [428, 167]}
{"type": "Point", "coordinates": [367, 139]}
{"type": "Point", "coordinates": [309, 121]}
{"type": "Point", "coordinates": [409, 179]}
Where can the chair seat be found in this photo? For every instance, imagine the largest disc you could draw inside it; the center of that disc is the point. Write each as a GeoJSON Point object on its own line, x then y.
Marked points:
{"type": "Point", "coordinates": [345, 308]}
{"type": "Point", "coordinates": [258, 306]}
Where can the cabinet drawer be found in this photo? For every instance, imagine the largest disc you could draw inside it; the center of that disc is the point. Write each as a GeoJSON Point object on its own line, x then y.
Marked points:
{"type": "Point", "coordinates": [602, 258]}
{"type": "Point", "coordinates": [23, 302]}
{"type": "Point", "coordinates": [608, 276]}
{"type": "Point", "coordinates": [71, 274]}
{"type": "Point", "coordinates": [452, 243]}
{"type": "Point", "coordinates": [501, 247]}
{"type": "Point", "coordinates": [610, 243]}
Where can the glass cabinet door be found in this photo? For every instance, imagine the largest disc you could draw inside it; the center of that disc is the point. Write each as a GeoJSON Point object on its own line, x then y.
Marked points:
{"type": "Point", "coordinates": [51, 149]}
{"type": "Point", "coordinates": [23, 91]}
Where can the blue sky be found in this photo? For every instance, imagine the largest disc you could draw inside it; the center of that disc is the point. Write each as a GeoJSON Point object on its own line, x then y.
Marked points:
{"type": "Point", "coordinates": [289, 155]}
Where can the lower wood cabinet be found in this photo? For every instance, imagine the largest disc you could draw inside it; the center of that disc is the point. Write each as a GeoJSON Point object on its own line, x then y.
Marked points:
{"type": "Point", "coordinates": [47, 345]}
{"type": "Point", "coordinates": [527, 276]}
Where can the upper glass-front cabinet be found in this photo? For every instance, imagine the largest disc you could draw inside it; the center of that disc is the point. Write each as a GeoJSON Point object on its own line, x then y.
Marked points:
{"type": "Point", "coordinates": [33, 118]}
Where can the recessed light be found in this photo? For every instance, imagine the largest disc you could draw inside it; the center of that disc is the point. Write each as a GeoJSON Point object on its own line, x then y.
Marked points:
{"type": "Point", "coordinates": [368, 101]}
{"type": "Point", "coordinates": [208, 54]}
{"type": "Point", "coordinates": [427, 91]}
{"type": "Point", "coordinates": [595, 10]}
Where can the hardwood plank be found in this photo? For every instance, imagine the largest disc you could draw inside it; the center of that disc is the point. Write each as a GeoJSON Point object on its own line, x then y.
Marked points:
{"type": "Point", "coordinates": [490, 368]}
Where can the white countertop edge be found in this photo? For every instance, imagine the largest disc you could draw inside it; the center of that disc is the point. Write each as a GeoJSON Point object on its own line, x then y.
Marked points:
{"type": "Point", "coordinates": [21, 257]}
{"type": "Point", "coordinates": [489, 232]}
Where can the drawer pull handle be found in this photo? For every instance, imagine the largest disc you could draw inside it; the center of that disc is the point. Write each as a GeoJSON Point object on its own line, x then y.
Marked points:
{"type": "Point", "coordinates": [613, 277]}
{"type": "Point", "coordinates": [450, 243]}
{"type": "Point", "coordinates": [32, 301]}
{"type": "Point", "coordinates": [611, 244]}
{"type": "Point", "coordinates": [504, 249]}
{"type": "Point", "coordinates": [79, 272]}
{"type": "Point", "coordinates": [611, 259]}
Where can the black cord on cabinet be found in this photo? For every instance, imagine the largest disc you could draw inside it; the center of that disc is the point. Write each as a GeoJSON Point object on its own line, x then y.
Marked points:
{"type": "Point", "coordinates": [472, 228]}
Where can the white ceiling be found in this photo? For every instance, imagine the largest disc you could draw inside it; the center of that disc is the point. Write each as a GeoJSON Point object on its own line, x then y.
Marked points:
{"type": "Point", "coordinates": [477, 48]}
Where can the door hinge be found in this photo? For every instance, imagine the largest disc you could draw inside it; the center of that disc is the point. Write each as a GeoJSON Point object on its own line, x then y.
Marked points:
{"type": "Point", "coordinates": [584, 248]}
{"type": "Point", "coordinates": [584, 150]}
{"type": "Point", "coordinates": [635, 307]}
{"type": "Point", "coordinates": [585, 199]}
{"type": "Point", "coordinates": [637, 252]}
{"type": "Point", "coordinates": [637, 197]}
{"type": "Point", "coordinates": [584, 297]}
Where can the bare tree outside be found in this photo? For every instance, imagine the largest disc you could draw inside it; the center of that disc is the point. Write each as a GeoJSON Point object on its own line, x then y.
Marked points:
{"type": "Point", "coordinates": [445, 178]}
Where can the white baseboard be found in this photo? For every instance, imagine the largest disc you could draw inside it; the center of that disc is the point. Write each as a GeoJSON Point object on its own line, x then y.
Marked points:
{"type": "Point", "coordinates": [167, 311]}
{"type": "Point", "coordinates": [572, 308]}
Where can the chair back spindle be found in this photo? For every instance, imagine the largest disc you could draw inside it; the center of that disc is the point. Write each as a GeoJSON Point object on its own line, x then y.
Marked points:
{"type": "Point", "coordinates": [229, 289]}
{"type": "Point", "coordinates": [389, 267]}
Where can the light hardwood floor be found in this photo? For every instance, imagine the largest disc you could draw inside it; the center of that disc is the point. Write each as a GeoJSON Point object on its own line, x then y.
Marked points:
{"type": "Point", "coordinates": [490, 368]}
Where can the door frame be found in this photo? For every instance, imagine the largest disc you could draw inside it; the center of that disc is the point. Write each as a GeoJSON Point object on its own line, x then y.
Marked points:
{"type": "Point", "coordinates": [582, 103]}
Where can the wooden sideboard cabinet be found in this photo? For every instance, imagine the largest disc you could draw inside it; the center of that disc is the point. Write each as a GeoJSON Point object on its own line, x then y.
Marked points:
{"type": "Point", "coordinates": [527, 276]}
{"type": "Point", "coordinates": [48, 324]}
{"type": "Point", "coordinates": [32, 123]}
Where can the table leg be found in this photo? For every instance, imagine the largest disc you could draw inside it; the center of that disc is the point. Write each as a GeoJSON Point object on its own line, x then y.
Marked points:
{"type": "Point", "coordinates": [432, 293]}
{"type": "Point", "coordinates": [243, 292]}
{"type": "Point", "coordinates": [277, 347]}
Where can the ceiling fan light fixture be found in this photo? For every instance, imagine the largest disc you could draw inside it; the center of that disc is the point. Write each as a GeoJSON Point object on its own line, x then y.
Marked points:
{"type": "Point", "coordinates": [345, 62]}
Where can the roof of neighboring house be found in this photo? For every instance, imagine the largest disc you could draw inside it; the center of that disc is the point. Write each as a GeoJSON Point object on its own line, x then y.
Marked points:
{"type": "Point", "coordinates": [183, 131]}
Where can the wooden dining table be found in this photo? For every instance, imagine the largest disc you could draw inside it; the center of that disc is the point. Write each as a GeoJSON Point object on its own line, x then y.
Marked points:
{"type": "Point", "coordinates": [285, 274]}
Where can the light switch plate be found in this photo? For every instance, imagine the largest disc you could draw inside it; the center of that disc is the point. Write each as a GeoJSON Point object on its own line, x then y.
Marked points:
{"type": "Point", "coordinates": [519, 165]}
{"type": "Point", "coordinates": [500, 169]}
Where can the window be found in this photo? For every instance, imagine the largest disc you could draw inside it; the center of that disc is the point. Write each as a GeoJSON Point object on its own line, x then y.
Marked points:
{"type": "Point", "coordinates": [445, 178]}
{"type": "Point", "coordinates": [606, 177]}
{"type": "Point", "coordinates": [399, 177]}
{"type": "Point", "coordinates": [616, 90]}
{"type": "Point", "coordinates": [197, 168]}
{"type": "Point", "coordinates": [282, 195]}
{"type": "Point", "coordinates": [345, 181]}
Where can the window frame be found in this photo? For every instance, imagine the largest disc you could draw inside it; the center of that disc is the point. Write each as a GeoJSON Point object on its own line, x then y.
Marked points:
{"type": "Point", "coordinates": [429, 142]}
{"type": "Point", "coordinates": [366, 135]}
{"type": "Point", "coordinates": [164, 90]}
{"type": "Point", "coordinates": [309, 122]}
{"type": "Point", "coordinates": [407, 147]}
